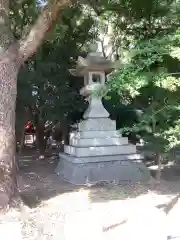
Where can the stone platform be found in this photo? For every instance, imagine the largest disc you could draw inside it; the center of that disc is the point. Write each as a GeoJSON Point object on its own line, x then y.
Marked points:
{"type": "Point", "coordinates": [93, 156]}
{"type": "Point", "coordinates": [91, 170]}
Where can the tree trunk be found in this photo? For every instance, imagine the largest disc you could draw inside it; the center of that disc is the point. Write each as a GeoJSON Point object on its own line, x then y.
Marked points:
{"type": "Point", "coordinates": [8, 183]}
{"type": "Point", "coordinates": [20, 137]}
{"type": "Point", "coordinates": [159, 162]}
{"type": "Point", "coordinates": [20, 128]}
{"type": "Point", "coordinates": [21, 143]}
{"type": "Point", "coordinates": [40, 139]}
{"type": "Point", "coordinates": [65, 132]}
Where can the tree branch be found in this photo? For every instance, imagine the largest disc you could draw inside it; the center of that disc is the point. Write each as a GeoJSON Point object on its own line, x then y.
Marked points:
{"type": "Point", "coordinates": [6, 35]}
{"type": "Point", "coordinates": [30, 43]}
{"type": "Point", "coordinates": [103, 48]}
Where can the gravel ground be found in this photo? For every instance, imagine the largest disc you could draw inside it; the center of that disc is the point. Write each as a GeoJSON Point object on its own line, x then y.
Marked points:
{"type": "Point", "coordinates": [54, 209]}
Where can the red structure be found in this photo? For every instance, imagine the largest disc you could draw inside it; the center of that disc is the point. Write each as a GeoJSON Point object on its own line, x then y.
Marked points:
{"type": "Point", "coordinates": [29, 128]}
{"type": "Point", "coordinates": [29, 133]}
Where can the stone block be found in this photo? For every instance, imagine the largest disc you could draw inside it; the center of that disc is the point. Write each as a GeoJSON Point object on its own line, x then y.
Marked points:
{"type": "Point", "coordinates": [100, 124]}
{"type": "Point", "coordinates": [109, 171]}
{"type": "Point", "coordinates": [87, 142]}
{"type": "Point", "coordinates": [99, 151]}
{"type": "Point", "coordinates": [93, 134]}
{"type": "Point", "coordinates": [95, 109]}
{"type": "Point", "coordinates": [126, 157]}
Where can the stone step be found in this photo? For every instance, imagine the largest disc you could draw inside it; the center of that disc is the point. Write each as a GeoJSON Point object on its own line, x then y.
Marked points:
{"type": "Point", "coordinates": [93, 134]}
{"type": "Point", "coordinates": [93, 159]}
{"type": "Point", "coordinates": [89, 142]}
{"type": "Point", "coordinates": [99, 151]}
{"type": "Point", "coordinates": [99, 124]}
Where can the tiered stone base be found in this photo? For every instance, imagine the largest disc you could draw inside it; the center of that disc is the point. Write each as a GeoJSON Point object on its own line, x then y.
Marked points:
{"type": "Point", "coordinates": [117, 169]}
{"type": "Point", "coordinates": [97, 152]}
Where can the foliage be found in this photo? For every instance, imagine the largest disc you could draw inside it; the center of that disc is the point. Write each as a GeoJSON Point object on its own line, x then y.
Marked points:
{"type": "Point", "coordinates": [45, 85]}
{"type": "Point", "coordinates": [145, 83]}
{"type": "Point", "coordinates": [121, 23]}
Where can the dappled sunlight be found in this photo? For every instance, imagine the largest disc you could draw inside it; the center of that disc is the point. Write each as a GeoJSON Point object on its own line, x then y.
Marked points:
{"type": "Point", "coordinates": [68, 202]}
{"type": "Point", "coordinates": [116, 192]}
{"type": "Point", "coordinates": [103, 211]}
{"type": "Point", "coordinates": [73, 214]}
{"type": "Point", "coordinates": [113, 219]}
{"type": "Point", "coordinates": [173, 220]}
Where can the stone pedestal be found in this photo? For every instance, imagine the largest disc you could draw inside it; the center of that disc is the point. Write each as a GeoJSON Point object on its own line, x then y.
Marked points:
{"type": "Point", "coordinates": [97, 152]}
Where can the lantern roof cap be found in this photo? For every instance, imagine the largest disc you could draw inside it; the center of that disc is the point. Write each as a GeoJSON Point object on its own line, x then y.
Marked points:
{"type": "Point", "coordinates": [95, 61]}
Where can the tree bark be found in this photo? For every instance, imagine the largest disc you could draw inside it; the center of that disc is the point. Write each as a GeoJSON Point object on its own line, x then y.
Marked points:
{"type": "Point", "coordinates": [30, 43]}
{"type": "Point", "coordinates": [8, 82]}
{"type": "Point", "coordinates": [8, 184]}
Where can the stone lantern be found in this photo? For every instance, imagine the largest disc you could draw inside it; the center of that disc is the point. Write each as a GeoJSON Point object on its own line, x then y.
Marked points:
{"type": "Point", "coordinates": [94, 70]}
{"type": "Point", "coordinates": [96, 151]}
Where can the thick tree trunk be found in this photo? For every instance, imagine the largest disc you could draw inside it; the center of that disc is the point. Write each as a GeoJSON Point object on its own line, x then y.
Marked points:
{"type": "Point", "coordinates": [8, 183]}
{"type": "Point", "coordinates": [9, 67]}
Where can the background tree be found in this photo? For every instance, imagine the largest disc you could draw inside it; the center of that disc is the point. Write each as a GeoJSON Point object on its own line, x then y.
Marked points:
{"type": "Point", "coordinates": [146, 83]}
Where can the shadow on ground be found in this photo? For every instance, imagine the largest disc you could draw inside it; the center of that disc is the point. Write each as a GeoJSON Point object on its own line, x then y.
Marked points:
{"type": "Point", "coordinates": [38, 183]}
{"type": "Point", "coordinates": [37, 180]}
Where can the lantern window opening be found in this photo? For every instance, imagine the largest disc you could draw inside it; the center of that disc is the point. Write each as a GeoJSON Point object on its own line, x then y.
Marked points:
{"type": "Point", "coordinates": [96, 78]}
